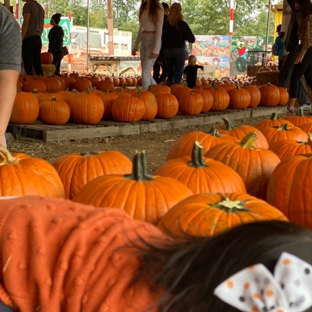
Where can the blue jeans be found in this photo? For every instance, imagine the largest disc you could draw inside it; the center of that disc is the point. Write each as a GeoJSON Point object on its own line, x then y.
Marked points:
{"type": "Point", "coordinates": [174, 59]}
{"type": "Point", "coordinates": [4, 308]}
{"type": "Point", "coordinates": [286, 73]}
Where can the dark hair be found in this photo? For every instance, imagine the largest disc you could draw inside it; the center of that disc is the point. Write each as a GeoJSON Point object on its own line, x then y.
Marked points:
{"type": "Point", "coordinates": [165, 5]}
{"type": "Point", "coordinates": [56, 17]}
{"type": "Point", "coordinates": [190, 271]}
{"type": "Point", "coordinates": [154, 6]}
{"type": "Point", "coordinates": [305, 7]}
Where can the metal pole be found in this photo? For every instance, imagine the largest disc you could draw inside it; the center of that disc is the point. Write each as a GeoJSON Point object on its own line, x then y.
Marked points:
{"type": "Point", "coordinates": [88, 26]}
{"type": "Point", "coordinates": [232, 4]}
{"type": "Point", "coordinates": [268, 27]}
{"type": "Point", "coordinates": [110, 27]}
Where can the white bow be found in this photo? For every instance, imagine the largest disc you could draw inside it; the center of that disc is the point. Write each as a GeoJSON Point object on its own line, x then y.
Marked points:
{"type": "Point", "coordinates": [255, 289]}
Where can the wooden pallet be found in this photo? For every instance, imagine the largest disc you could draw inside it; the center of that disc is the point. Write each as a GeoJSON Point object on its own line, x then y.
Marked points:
{"type": "Point", "coordinates": [106, 128]}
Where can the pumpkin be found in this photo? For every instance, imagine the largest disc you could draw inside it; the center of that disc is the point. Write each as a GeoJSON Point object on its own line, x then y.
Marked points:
{"type": "Point", "coordinates": [143, 196]}
{"type": "Point", "coordinates": [299, 119]}
{"type": "Point", "coordinates": [82, 84]}
{"type": "Point", "coordinates": [28, 176]}
{"type": "Point", "coordinates": [286, 148]}
{"type": "Point", "coordinates": [159, 89]}
{"type": "Point", "coordinates": [105, 85]}
{"type": "Point", "coordinates": [284, 96]}
{"type": "Point", "coordinates": [76, 170]}
{"type": "Point", "coordinates": [127, 108]}
{"type": "Point", "coordinates": [86, 108]}
{"type": "Point", "coordinates": [239, 98]}
{"type": "Point", "coordinates": [289, 189]}
{"type": "Point", "coordinates": [307, 128]}
{"type": "Point", "coordinates": [184, 145]}
{"type": "Point", "coordinates": [273, 121]}
{"type": "Point", "coordinates": [254, 165]}
{"type": "Point", "coordinates": [48, 96]}
{"type": "Point", "coordinates": [34, 84]}
{"type": "Point", "coordinates": [108, 99]}
{"type": "Point", "coordinates": [54, 112]}
{"type": "Point", "coordinates": [201, 174]}
{"type": "Point", "coordinates": [221, 98]}
{"type": "Point", "coordinates": [255, 95]}
{"type": "Point", "coordinates": [204, 215]}
{"type": "Point", "coordinates": [191, 103]}
{"type": "Point", "coordinates": [149, 101]}
{"type": "Point", "coordinates": [239, 132]}
{"type": "Point", "coordinates": [69, 81]}
{"type": "Point", "coordinates": [25, 108]}
{"type": "Point", "coordinates": [53, 85]}
{"type": "Point", "coordinates": [168, 106]}
{"type": "Point", "coordinates": [270, 95]}
{"type": "Point", "coordinates": [207, 99]}
{"type": "Point", "coordinates": [178, 92]}
{"type": "Point", "coordinates": [283, 132]}
{"type": "Point", "coordinates": [46, 58]}
{"type": "Point", "coordinates": [66, 95]}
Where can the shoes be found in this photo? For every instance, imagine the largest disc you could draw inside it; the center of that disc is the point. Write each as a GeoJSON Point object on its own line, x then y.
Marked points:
{"type": "Point", "coordinates": [290, 111]}
{"type": "Point", "coordinates": [306, 106]}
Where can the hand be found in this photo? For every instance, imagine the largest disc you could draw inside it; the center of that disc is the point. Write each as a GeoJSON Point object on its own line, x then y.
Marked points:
{"type": "Point", "coordinates": [134, 52]}
{"type": "Point", "coordinates": [155, 55]}
{"type": "Point", "coordinates": [299, 59]}
{"type": "Point", "coordinates": [160, 62]}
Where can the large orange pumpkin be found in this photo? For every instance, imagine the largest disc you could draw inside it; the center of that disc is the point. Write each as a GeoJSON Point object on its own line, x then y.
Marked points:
{"type": "Point", "coordinates": [168, 106]}
{"type": "Point", "coordinates": [141, 195]}
{"type": "Point", "coordinates": [149, 101]}
{"type": "Point", "coordinates": [22, 175]}
{"type": "Point", "coordinates": [239, 98]}
{"type": "Point", "coordinates": [207, 98]}
{"type": "Point", "coordinates": [254, 165]}
{"type": "Point", "coordinates": [81, 84]}
{"type": "Point", "coordinates": [255, 95]}
{"type": "Point", "coordinates": [289, 189]}
{"type": "Point", "coordinates": [108, 99]}
{"type": "Point", "coordinates": [191, 103]}
{"type": "Point", "coordinates": [273, 121]}
{"type": "Point", "coordinates": [239, 132]}
{"type": "Point", "coordinates": [203, 215]}
{"type": "Point", "coordinates": [76, 170]}
{"type": "Point", "coordinates": [201, 174]}
{"type": "Point", "coordinates": [270, 95]}
{"type": "Point", "coordinates": [34, 84]}
{"type": "Point", "coordinates": [221, 98]}
{"type": "Point", "coordinates": [184, 145]}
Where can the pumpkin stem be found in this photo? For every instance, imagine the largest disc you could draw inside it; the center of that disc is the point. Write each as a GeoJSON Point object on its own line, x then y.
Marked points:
{"type": "Point", "coordinates": [139, 169]}
{"type": "Point", "coordinates": [6, 157]}
{"type": "Point", "coordinates": [249, 139]}
{"type": "Point", "coordinates": [283, 126]}
{"type": "Point", "coordinates": [229, 123]}
{"type": "Point", "coordinates": [230, 206]}
{"type": "Point", "coordinates": [214, 132]}
{"type": "Point", "coordinates": [89, 153]}
{"type": "Point", "coordinates": [273, 116]}
{"type": "Point", "coordinates": [197, 156]}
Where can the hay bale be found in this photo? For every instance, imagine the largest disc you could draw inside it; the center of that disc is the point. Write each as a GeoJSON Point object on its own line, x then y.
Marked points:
{"type": "Point", "coordinates": [267, 77]}
{"type": "Point", "coordinates": [48, 70]}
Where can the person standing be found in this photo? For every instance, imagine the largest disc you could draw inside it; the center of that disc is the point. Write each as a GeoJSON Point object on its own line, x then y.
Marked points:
{"type": "Point", "coordinates": [10, 66]}
{"type": "Point", "coordinates": [159, 62]}
{"type": "Point", "coordinates": [191, 71]}
{"type": "Point", "coordinates": [303, 62]}
{"type": "Point", "coordinates": [56, 36]}
{"type": "Point", "coordinates": [291, 44]}
{"type": "Point", "coordinates": [32, 28]}
{"type": "Point", "coordinates": [175, 32]}
{"type": "Point", "coordinates": [151, 16]}
{"type": "Point", "coordinates": [279, 46]}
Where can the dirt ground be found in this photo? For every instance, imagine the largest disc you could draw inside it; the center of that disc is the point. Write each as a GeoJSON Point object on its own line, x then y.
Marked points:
{"type": "Point", "coordinates": [157, 144]}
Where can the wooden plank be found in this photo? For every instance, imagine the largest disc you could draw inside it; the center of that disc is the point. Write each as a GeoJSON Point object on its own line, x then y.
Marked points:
{"type": "Point", "coordinates": [89, 133]}
{"type": "Point", "coordinates": [267, 111]}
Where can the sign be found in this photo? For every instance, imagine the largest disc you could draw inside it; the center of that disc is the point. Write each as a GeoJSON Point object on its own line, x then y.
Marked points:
{"type": "Point", "coordinates": [64, 23]}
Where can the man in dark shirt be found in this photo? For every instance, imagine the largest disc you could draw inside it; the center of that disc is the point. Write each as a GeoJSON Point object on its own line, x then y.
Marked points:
{"type": "Point", "coordinates": [159, 62]}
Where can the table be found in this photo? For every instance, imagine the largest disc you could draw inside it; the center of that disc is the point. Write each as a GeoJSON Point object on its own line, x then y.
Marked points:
{"type": "Point", "coordinates": [116, 65]}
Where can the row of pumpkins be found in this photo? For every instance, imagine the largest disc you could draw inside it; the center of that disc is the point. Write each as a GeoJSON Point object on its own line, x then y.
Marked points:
{"type": "Point", "coordinates": [209, 182]}
{"type": "Point", "coordinates": [94, 98]}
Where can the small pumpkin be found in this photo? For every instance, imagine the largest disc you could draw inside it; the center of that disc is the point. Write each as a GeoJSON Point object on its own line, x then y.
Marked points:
{"type": "Point", "coordinates": [300, 118]}
{"type": "Point", "coordinates": [270, 95]}
{"type": "Point", "coordinates": [239, 98]}
{"type": "Point", "coordinates": [46, 58]}
{"type": "Point", "coordinates": [191, 103]}
{"type": "Point", "coordinates": [168, 106]}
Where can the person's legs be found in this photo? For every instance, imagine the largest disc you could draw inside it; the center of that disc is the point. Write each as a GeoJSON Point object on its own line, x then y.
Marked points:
{"type": "Point", "coordinates": [57, 62]}
{"type": "Point", "coordinates": [164, 73]}
{"type": "Point", "coordinates": [169, 65]}
{"type": "Point", "coordinates": [179, 61]}
{"type": "Point", "coordinates": [27, 54]}
{"type": "Point", "coordinates": [156, 71]}
{"type": "Point", "coordinates": [36, 55]}
{"type": "Point", "coordinates": [147, 62]}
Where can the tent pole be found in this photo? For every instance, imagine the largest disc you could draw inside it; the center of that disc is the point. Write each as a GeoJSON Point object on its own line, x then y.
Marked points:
{"type": "Point", "coordinates": [268, 27]}
{"type": "Point", "coordinates": [88, 26]}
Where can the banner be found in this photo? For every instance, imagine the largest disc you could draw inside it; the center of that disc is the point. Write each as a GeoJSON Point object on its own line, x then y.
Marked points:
{"type": "Point", "coordinates": [64, 23]}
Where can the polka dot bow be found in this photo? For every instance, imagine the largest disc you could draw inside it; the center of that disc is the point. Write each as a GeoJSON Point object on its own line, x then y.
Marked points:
{"type": "Point", "coordinates": [255, 289]}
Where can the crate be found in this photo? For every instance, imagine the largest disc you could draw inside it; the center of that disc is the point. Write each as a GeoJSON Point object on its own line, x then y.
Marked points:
{"type": "Point", "coordinates": [267, 77]}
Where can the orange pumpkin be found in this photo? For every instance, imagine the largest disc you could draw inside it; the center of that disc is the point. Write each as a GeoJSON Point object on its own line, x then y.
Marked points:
{"type": "Point", "coordinates": [239, 98]}
{"type": "Point", "coordinates": [149, 101]}
{"type": "Point", "coordinates": [168, 106]}
{"type": "Point", "coordinates": [273, 121]}
{"type": "Point", "coordinates": [299, 119]}
{"type": "Point", "coordinates": [284, 96]}
{"type": "Point", "coordinates": [105, 85]}
{"type": "Point", "coordinates": [108, 99]}
{"type": "Point", "coordinates": [255, 95]}
{"type": "Point", "coordinates": [28, 176]}
{"type": "Point", "coordinates": [46, 58]}
{"type": "Point", "coordinates": [201, 174]}
{"type": "Point", "coordinates": [82, 84]}
{"type": "Point", "coordinates": [34, 84]}
{"type": "Point", "coordinates": [204, 215]}
{"type": "Point", "coordinates": [53, 84]}
{"type": "Point", "coordinates": [76, 170]}
{"type": "Point", "coordinates": [191, 103]}
{"type": "Point", "coordinates": [207, 98]}
{"type": "Point", "coordinates": [142, 196]}
{"type": "Point", "coordinates": [270, 95]}
{"type": "Point", "coordinates": [221, 98]}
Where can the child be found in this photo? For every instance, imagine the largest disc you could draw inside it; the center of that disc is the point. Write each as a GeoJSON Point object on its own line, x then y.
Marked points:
{"type": "Point", "coordinates": [57, 255]}
{"type": "Point", "coordinates": [191, 71]}
{"type": "Point", "coordinates": [278, 48]}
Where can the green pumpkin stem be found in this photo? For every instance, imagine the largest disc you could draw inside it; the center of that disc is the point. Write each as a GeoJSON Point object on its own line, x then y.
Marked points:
{"type": "Point", "coordinates": [89, 153]}
{"type": "Point", "coordinates": [197, 156]}
{"type": "Point", "coordinates": [229, 123]}
{"type": "Point", "coordinates": [273, 116]}
{"type": "Point", "coordinates": [139, 169]}
{"type": "Point", "coordinates": [214, 132]}
{"type": "Point", "coordinates": [6, 157]}
{"type": "Point", "coordinates": [249, 139]}
{"type": "Point", "coordinates": [283, 126]}
{"type": "Point", "coordinates": [230, 206]}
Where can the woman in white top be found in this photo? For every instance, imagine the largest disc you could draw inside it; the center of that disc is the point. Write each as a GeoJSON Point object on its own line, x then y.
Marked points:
{"type": "Point", "coordinates": [151, 17]}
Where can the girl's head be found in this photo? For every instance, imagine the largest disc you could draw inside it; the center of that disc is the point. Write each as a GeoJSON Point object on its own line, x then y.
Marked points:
{"type": "Point", "coordinates": [56, 18]}
{"type": "Point", "coordinates": [191, 271]}
{"type": "Point", "coordinates": [192, 60]}
{"type": "Point", "coordinates": [154, 5]}
{"type": "Point", "coordinates": [175, 14]}
{"type": "Point", "coordinates": [304, 7]}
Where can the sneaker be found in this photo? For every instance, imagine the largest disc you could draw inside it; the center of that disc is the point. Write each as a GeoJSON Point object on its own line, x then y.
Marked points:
{"type": "Point", "coordinates": [306, 106]}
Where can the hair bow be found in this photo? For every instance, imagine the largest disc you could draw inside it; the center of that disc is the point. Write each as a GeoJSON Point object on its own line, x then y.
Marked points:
{"type": "Point", "coordinates": [255, 289]}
